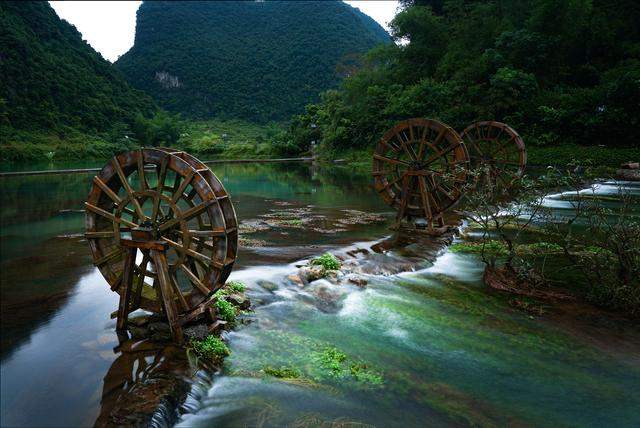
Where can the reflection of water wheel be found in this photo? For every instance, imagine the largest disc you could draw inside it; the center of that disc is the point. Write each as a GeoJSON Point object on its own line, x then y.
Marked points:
{"type": "Point", "coordinates": [175, 200]}
{"type": "Point", "coordinates": [496, 148]}
{"type": "Point", "coordinates": [420, 168]}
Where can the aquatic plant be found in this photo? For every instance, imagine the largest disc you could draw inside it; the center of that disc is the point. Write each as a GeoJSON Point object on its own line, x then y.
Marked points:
{"type": "Point", "coordinates": [211, 349]}
{"type": "Point", "coordinates": [225, 310]}
{"type": "Point", "coordinates": [490, 248]}
{"type": "Point", "coordinates": [327, 261]}
{"type": "Point", "coordinates": [282, 372]}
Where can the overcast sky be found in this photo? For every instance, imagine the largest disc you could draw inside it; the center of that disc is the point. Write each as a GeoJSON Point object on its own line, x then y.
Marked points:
{"type": "Point", "coordinates": [109, 27]}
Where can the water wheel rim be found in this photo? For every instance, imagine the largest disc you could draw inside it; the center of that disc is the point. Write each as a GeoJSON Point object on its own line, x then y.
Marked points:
{"type": "Point", "coordinates": [198, 221]}
{"type": "Point", "coordinates": [497, 149]}
{"type": "Point", "coordinates": [420, 168]}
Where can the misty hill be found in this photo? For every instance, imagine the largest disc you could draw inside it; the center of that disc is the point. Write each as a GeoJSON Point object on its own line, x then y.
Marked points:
{"type": "Point", "coordinates": [54, 84]}
{"type": "Point", "coordinates": [253, 60]}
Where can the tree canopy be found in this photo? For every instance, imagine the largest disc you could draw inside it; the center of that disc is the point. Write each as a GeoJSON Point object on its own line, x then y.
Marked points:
{"type": "Point", "coordinates": [53, 81]}
{"type": "Point", "coordinates": [557, 71]}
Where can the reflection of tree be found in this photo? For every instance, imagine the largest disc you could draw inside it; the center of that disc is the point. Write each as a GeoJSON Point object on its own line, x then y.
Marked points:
{"type": "Point", "coordinates": [33, 198]}
{"type": "Point", "coordinates": [145, 377]}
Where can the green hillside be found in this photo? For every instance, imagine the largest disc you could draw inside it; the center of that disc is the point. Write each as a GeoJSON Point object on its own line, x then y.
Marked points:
{"type": "Point", "coordinates": [258, 61]}
{"type": "Point", "coordinates": [56, 92]}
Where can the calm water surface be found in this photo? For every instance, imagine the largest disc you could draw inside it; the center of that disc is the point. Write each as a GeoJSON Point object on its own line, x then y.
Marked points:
{"type": "Point", "coordinates": [428, 347]}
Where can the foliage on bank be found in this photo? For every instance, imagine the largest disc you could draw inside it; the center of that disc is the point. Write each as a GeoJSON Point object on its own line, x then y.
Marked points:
{"type": "Point", "coordinates": [56, 90]}
{"type": "Point", "coordinates": [561, 73]}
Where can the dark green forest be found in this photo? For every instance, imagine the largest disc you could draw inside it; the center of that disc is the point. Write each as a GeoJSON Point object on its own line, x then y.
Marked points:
{"type": "Point", "coordinates": [56, 90]}
{"type": "Point", "coordinates": [563, 73]}
{"type": "Point", "coordinates": [258, 61]}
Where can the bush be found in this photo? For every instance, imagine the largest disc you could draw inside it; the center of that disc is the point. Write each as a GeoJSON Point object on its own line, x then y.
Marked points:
{"type": "Point", "coordinates": [225, 310]}
{"type": "Point", "coordinates": [327, 261]}
{"type": "Point", "coordinates": [210, 348]}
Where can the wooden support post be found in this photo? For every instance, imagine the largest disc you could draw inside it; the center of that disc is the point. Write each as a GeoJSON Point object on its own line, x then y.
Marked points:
{"type": "Point", "coordinates": [162, 269]}
{"type": "Point", "coordinates": [125, 296]}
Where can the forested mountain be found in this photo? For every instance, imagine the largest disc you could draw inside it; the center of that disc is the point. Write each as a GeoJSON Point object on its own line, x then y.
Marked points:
{"type": "Point", "coordinates": [559, 71]}
{"type": "Point", "coordinates": [253, 60]}
{"type": "Point", "coordinates": [54, 84]}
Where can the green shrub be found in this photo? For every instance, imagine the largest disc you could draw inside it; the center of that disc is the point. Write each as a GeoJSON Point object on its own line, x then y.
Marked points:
{"type": "Point", "coordinates": [225, 310]}
{"type": "Point", "coordinates": [235, 286]}
{"type": "Point", "coordinates": [210, 348]}
{"type": "Point", "coordinates": [327, 261]}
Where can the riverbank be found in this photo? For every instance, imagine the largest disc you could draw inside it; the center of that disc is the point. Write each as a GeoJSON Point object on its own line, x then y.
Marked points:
{"type": "Point", "coordinates": [604, 160]}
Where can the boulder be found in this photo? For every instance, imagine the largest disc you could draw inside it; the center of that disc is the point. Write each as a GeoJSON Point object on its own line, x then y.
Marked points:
{"type": "Point", "coordinates": [239, 300]}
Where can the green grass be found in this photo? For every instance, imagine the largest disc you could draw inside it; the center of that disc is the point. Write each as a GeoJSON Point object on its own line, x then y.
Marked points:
{"type": "Point", "coordinates": [283, 372]}
{"type": "Point", "coordinates": [328, 261]}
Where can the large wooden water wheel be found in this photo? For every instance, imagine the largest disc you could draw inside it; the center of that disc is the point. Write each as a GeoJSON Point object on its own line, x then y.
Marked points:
{"type": "Point", "coordinates": [173, 216]}
{"type": "Point", "coordinates": [496, 151]}
{"type": "Point", "coordinates": [420, 169]}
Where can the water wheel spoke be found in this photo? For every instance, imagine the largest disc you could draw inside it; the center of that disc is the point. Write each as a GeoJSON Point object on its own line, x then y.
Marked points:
{"type": "Point", "coordinates": [186, 215]}
{"type": "Point", "coordinates": [439, 186]}
{"type": "Point", "coordinates": [217, 232]}
{"type": "Point", "coordinates": [439, 154]}
{"type": "Point", "coordinates": [404, 195]}
{"type": "Point", "coordinates": [404, 146]}
{"type": "Point", "coordinates": [391, 183]}
{"type": "Point", "coordinates": [179, 191]}
{"type": "Point", "coordinates": [160, 187]}
{"type": "Point", "coordinates": [142, 272]}
{"type": "Point", "coordinates": [106, 189]}
{"type": "Point", "coordinates": [502, 146]}
{"type": "Point", "coordinates": [127, 188]}
{"type": "Point", "coordinates": [390, 160]}
{"type": "Point", "coordinates": [173, 281]}
{"type": "Point", "coordinates": [188, 251]}
{"type": "Point", "coordinates": [423, 141]}
{"type": "Point", "coordinates": [195, 280]}
{"type": "Point", "coordinates": [143, 180]}
{"type": "Point", "coordinates": [108, 215]}
{"type": "Point", "coordinates": [424, 197]}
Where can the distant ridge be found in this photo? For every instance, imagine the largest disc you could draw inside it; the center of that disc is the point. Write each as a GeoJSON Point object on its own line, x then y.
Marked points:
{"type": "Point", "coordinates": [252, 60]}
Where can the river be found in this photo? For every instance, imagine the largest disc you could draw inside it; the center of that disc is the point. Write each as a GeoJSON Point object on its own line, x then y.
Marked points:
{"type": "Point", "coordinates": [425, 347]}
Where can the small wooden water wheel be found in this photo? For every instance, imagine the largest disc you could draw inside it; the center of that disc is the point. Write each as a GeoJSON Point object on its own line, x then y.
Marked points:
{"type": "Point", "coordinates": [496, 148]}
{"type": "Point", "coordinates": [163, 232]}
{"type": "Point", "coordinates": [420, 169]}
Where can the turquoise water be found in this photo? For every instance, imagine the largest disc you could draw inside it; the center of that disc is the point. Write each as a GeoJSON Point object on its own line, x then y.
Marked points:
{"type": "Point", "coordinates": [425, 347]}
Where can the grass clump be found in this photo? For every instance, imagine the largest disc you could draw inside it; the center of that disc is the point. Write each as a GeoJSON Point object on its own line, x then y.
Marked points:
{"type": "Point", "coordinates": [235, 286]}
{"type": "Point", "coordinates": [225, 310]}
{"type": "Point", "coordinates": [283, 372]}
{"type": "Point", "coordinates": [328, 261]}
{"type": "Point", "coordinates": [490, 248]}
{"type": "Point", "coordinates": [336, 364]}
{"type": "Point", "coordinates": [211, 349]}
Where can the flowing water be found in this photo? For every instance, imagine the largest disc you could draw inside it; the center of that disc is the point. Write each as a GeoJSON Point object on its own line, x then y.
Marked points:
{"type": "Point", "coordinates": [429, 346]}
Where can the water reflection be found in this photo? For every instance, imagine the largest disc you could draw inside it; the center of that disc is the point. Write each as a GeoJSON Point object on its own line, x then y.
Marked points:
{"type": "Point", "coordinates": [57, 338]}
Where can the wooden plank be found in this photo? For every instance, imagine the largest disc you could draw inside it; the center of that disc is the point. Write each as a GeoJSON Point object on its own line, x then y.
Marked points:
{"type": "Point", "coordinates": [125, 297]}
{"type": "Point", "coordinates": [164, 282]}
{"type": "Point", "coordinates": [128, 189]}
{"type": "Point", "coordinates": [108, 215]}
{"type": "Point", "coordinates": [194, 279]}
{"type": "Point", "coordinates": [107, 190]}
